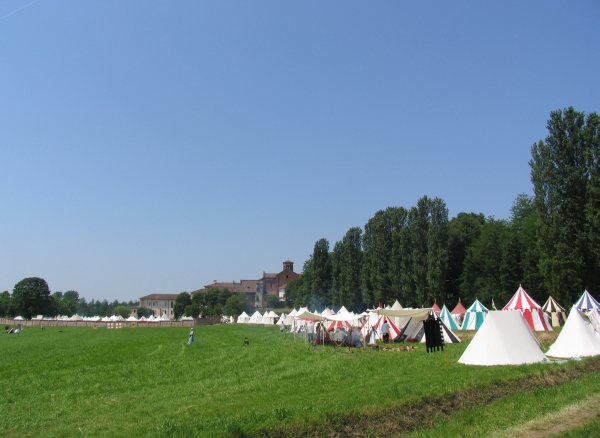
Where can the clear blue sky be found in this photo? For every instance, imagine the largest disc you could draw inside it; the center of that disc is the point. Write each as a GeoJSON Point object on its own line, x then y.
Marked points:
{"type": "Point", "coordinates": [152, 147]}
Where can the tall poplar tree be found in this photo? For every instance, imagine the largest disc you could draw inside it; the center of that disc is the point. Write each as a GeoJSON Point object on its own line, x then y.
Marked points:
{"type": "Point", "coordinates": [346, 266]}
{"type": "Point", "coordinates": [321, 278]}
{"type": "Point", "coordinates": [564, 172]}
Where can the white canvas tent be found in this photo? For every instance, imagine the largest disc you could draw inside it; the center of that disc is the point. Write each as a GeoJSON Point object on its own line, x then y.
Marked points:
{"type": "Point", "coordinates": [256, 318]}
{"type": "Point", "coordinates": [576, 339]}
{"type": "Point", "coordinates": [281, 319]}
{"type": "Point", "coordinates": [594, 318]}
{"type": "Point", "coordinates": [504, 338]}
{"type": "Point", "coordinates": [243, 318]}
{"type": "Point", "coordinates": [269, 318]}
{"type": "Point", "coordinates": [289, 319]}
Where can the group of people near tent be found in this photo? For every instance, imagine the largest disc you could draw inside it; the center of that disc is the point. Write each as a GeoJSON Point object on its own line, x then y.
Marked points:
{"type": "Point", "coordinates": [503, 337]}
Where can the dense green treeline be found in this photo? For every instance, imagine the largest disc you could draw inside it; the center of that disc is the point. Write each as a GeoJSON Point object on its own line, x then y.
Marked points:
{"type": "Point", "coordinates": [31, 297]}
{"type": "Point", "coordinates": [550, 244]}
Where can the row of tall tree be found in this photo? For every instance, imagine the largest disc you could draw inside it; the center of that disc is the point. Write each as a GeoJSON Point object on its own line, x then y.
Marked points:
{"type": "Point", "coordinates": [31, 296]}
{"type": "Point", "coordinates": [550, 244]}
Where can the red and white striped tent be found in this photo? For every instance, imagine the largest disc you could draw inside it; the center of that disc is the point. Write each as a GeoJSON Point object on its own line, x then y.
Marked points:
{"type": "Point", "coordinates": [338, 325]}
{"type": "Point", "coordinates": [532, 311]}
{"type": "Point", "coordinates": [366, 327]}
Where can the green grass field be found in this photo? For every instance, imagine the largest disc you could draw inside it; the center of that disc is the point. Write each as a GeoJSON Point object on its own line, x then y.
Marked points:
{"type": "Point", "coordinates": [149, 382]}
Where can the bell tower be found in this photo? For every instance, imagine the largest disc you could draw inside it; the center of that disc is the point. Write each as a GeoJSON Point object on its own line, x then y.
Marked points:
{"type": "Point", "coordinates": [288, 265]}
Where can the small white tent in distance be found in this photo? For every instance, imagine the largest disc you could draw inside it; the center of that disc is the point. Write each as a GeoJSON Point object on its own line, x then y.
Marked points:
{"type": "Point", "coordinates": [504, 338]}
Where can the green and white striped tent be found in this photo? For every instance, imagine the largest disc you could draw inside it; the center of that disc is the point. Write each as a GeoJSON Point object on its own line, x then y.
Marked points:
{"type": "Point", "coordinates": [475, 316]}
{"type": "Point", "coordinates": [447, 318]}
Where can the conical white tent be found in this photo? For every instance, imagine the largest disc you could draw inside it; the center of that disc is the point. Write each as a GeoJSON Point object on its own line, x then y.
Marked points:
{"type": "Point", "coordinates": [243, 318]}
{"type": "Point", "coordinates": [289, 319]}
{"type": "Point", "coordinates": [504, 338]}
{"type": "Point", "coordinates": [269, 318]}
{"type": "Point", "coordinates": [397, 306]}
{"type": "Point", "coordinates": [342, 310]}
{"type": "Point", "coordinates": [474, 317]}
{"type": "Point", "coordinates": [281, 319]}
{"type": "Point", "coordinates": [447, 319]}
{"type": "Point", "coordinates": [132, 318]}
{"type": "Point", "coordinates": [576, 339]}
{"type": "Point", "coordinates": [256, 318]}
{"type": "Point", "coordinates": [531, 310]}
{"type": "Point", "coordinates": [587, 302]}
{"type": "Point", "coordinates": [326, 312]}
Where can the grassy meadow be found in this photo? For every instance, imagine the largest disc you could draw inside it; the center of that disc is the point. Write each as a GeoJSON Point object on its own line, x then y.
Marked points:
{"type": "Point", "coordinates": [65, 382]}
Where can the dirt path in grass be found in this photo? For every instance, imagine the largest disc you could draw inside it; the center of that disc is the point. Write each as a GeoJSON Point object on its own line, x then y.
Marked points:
{"type": "Point", "coordinates": [401, 419]}
{"type": "Point", "coordinates": [570, 417]}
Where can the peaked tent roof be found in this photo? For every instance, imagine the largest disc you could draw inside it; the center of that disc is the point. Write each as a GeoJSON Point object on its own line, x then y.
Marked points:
{"type": "Point", "coordinates": [459, 309]}
{"type": "Point", "coordinates": [477, 307]}
{"type": "Point", "coordinates": [447, 319]}
{"type": "Point", "coordinates": [475, 316]}
{"type": "Point", "coordinates": [243, 318]}
{"type": "Point", "coordinates": [556, 314]}
{"type": "Point", "coordinates": [521, 300]}
{"type": "Point", "coordinates": [256, 318]}
{"type": "Point", "coordinates": [552, 306]}
{"type": "Point", "coordinates": [587, 302]}
{"type": "Point", "coordinates": [396, 306]}
{"type": "Point", "coordinates": [281, 319]}
{"type": "Point", "coordinates": [576, 339]}
{"type": "Point", "coordinates": [531, 310]}
{"type": "Point", "coordinates": [436, 308]}
{"type": "Point", "coordinates": [504, 339]}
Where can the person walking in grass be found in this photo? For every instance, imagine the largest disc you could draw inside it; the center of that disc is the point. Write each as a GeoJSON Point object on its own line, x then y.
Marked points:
{"type": "Point", "coordinates": [191, 338]}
